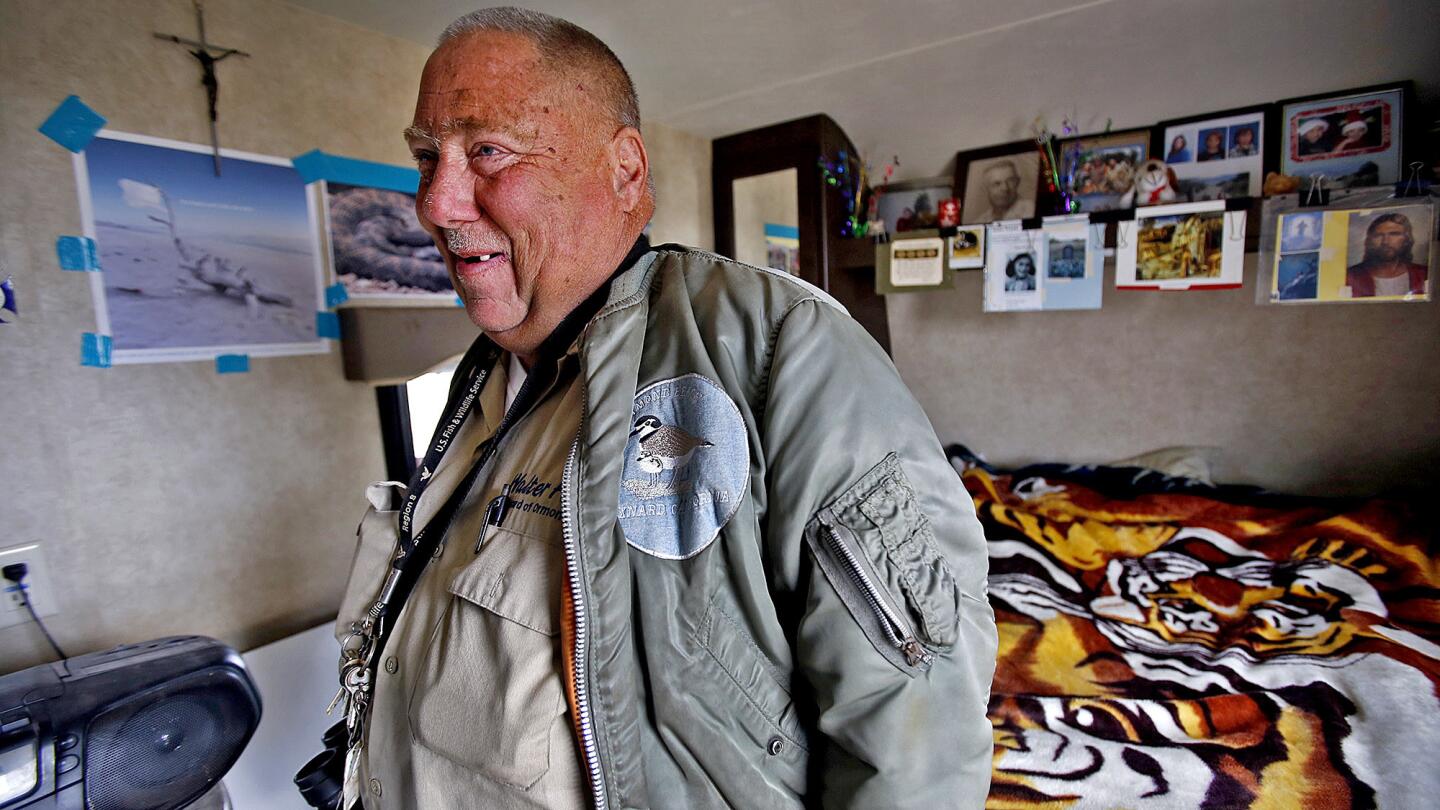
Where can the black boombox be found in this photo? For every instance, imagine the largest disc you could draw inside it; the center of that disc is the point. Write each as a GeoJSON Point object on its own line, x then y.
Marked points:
{"type": "Point", "coordinates": [152, 725]}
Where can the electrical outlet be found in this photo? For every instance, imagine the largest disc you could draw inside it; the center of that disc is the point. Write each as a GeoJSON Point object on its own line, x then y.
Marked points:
{"type": "Point", "coordinates": [37, 586]}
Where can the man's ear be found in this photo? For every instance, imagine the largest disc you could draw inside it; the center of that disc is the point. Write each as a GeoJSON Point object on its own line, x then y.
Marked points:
{"type": "Point", "coordinates": [630, 167]}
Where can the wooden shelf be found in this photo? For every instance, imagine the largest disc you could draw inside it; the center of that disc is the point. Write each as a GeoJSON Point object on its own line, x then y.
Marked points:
{"type": "Point", "coordinates": [853, 254]}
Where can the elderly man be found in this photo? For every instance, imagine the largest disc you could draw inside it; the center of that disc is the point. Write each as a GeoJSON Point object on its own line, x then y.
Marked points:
{"type": "Point", "coordinates": [682, 538]}
{"type": "Point", "coordinates": [1001, 181]}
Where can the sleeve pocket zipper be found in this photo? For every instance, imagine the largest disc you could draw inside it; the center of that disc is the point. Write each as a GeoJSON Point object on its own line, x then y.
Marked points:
{"type": "Point", "coordinates": [897, 632]}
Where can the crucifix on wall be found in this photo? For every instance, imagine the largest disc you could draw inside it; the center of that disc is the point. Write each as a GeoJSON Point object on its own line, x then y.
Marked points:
{"type": "Point", "coordinates": [207, 55]}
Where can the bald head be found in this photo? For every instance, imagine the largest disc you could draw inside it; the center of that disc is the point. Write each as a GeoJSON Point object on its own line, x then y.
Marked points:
{"type": "Point", "coordinates": [531, 185]}
{"type": "Point", "coordinates": [565, 49]}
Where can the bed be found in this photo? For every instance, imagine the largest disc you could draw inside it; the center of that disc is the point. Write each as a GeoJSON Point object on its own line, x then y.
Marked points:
{"type": "Point", "coordinates": [1170, 644]}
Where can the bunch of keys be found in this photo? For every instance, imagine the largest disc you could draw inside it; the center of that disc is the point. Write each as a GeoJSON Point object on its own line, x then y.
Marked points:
{"type": "Point", "coordinates": [355, 677]}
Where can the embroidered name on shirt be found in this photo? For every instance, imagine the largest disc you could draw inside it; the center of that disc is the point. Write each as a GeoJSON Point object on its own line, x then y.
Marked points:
{"type": "Point", "coordinates": [529, 494]}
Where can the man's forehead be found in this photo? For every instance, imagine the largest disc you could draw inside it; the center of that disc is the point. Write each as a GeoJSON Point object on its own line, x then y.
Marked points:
{"type": "Point", "coordinates": [482, 80]}
{"type": "Point", "coordinates": [476, 122]}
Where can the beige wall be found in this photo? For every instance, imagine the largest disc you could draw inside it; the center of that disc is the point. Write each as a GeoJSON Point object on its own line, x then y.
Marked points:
{"type": "Point", "coordinates": [169, 499]}
{"type": "Point", "coordinates": [680, 165]}
{"type": "Point", "coordinates": [1325, 399]}
{"type": "Point", "coordinates": [1322, 399]}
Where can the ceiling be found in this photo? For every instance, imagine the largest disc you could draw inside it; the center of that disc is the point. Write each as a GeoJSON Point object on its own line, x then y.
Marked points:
{"type": "Point", "coordinates": [923, 78]}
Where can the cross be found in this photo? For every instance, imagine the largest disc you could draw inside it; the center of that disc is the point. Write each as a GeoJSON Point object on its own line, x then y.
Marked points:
{"type": "Point", "coordinates": [207, 55]}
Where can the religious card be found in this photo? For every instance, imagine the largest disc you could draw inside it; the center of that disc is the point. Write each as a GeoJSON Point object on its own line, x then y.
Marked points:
{"type": "Point", "coordinates": [1354, 254]}
{"type": "Point", "coordinates": [1180, 247]}
{"type": "Point", "coordinates": [191, 265]}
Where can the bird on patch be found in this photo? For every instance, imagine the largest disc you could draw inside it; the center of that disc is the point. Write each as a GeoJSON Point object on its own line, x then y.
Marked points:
{"type": "Point", "coordinates": [662, 446]}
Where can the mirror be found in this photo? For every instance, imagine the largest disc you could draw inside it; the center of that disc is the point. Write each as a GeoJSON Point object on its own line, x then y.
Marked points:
{"type": "Point", "coordinates": [767, 220]}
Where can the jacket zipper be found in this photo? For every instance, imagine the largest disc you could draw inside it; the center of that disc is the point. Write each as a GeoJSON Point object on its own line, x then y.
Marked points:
{"type": "Point", "coordinates": [577, 598]}
{"type": "Point", "coordinates": [896, 630]}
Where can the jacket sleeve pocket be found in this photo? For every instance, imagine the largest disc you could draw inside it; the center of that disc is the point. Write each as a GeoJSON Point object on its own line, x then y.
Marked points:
{"type": "Point", "coordinates": [877, 549]}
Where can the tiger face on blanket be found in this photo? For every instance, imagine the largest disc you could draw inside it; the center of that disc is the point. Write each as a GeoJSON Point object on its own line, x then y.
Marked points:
{"type": "Point", "coordinates": [1174, 651]}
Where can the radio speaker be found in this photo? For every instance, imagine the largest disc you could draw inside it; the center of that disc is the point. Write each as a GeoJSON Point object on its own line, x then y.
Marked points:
{"type": "Point", "coordinates": [149, 726]}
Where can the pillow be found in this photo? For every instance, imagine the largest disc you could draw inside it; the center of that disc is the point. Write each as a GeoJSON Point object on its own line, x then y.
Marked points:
{"type": "Point", "coordinates": [1177, 462]}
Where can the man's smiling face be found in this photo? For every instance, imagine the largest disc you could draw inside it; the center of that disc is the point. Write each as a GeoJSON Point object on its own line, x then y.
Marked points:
{"type": "Point", "coordinates": [514, 182]}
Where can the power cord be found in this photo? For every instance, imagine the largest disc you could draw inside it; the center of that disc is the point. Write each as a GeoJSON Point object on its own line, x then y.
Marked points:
{"type": "Point", "coordinates": [16, 573]}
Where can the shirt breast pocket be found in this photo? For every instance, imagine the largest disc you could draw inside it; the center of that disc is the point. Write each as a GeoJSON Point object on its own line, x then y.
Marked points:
{"type": "Point", "coordinates": [488, 692]}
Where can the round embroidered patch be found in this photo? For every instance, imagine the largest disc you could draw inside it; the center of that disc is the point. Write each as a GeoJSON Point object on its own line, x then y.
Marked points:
{"type": "Point", "coordinates": [687, 465]}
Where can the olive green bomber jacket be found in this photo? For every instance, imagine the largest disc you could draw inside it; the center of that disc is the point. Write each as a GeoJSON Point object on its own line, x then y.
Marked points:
{"type": "Point", "coordinates": [830, 645]}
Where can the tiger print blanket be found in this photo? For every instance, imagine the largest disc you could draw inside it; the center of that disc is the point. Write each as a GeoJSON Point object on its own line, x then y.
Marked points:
{"type": "Point", "coordinates": [1179, 650]}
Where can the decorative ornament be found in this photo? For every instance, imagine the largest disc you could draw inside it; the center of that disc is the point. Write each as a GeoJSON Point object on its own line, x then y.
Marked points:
{"type": "Point", "coordinates": [1050, 167]}
{"type": "Point", "coordinates": [949, 212]}
{"type": "Point", "coordinates": [847, 174]}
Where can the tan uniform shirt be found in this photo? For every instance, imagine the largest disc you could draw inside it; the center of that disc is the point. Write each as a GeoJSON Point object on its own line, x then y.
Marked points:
{"type": "Point", "coordinates": [469, 708]}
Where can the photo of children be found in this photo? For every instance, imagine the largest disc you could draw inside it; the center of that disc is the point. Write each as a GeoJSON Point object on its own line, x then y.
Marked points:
{"type": "Point", "coordinates": [1229, 155]}
{"type": "Point", "coordinates": [1099, 169]}
{"type": "Point", "coordinates": [1340, 131]}
{"type": "Point", "coordinates": [1351, 139]}
{"type": "Point", "coordinates": [1179, 151]}
{"type": "Point", "coordinates": [1243, 142]}
{"type": "Point", "coordinates": [1212, 145]}
{"type": "Point", "coordinates": [1067, 258]}
{"type": "Point", "coordinates": [1020, 273]}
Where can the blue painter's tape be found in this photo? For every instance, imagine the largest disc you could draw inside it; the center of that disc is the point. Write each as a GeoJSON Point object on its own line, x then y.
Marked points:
{"type": "Point", "coordinates": [335, 295]}
{"type": "Point", "coordinates": [312, 165]}
{"type": "Point", "coordinates": [72, 125]}
{"type": "Point", "coordinates": [77, 253]}
{"type": "Point", "coordinates": [327, 325]}
{"type": "Point", "coordinates": [232, 364]}
{"type": "Point", "coordinates": [316, 165]}
{"type": "Point", "coordinates": [96, 350]}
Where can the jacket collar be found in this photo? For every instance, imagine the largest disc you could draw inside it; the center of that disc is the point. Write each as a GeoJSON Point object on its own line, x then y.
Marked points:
{"type": "Point", "coordinates": [563, 338]}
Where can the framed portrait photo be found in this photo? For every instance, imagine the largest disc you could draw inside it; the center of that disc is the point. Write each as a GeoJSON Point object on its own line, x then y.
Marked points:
{"type": "Point", "coordinates": [998, 183]}
{"type": "Point", "coordinates": [1097, 170]}
{"type": "Point", "coordinates": [1352, 138]}
{"type": "Point", "coordinates": [912, 205]}
{"type": "Point", "coordinates": [1219, 155]}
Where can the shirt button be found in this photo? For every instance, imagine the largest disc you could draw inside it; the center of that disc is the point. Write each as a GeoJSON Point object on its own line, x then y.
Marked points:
{"type": "Point", "coordinates": [375, 786]}
{"type": "Point", "coordinates": [775, 746]}
{"type": "Point", "coordinates": [392, 665]}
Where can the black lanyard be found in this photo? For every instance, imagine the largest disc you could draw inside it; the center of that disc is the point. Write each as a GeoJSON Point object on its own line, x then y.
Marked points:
{"type": "Point", "coordinates": [462, 402]}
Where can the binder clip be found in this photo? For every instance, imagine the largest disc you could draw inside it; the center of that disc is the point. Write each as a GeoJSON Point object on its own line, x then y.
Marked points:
{"type": "Point", "coordinates": [1317, 196]}
{"type": "Point", "coordinates": [1413, 185]}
